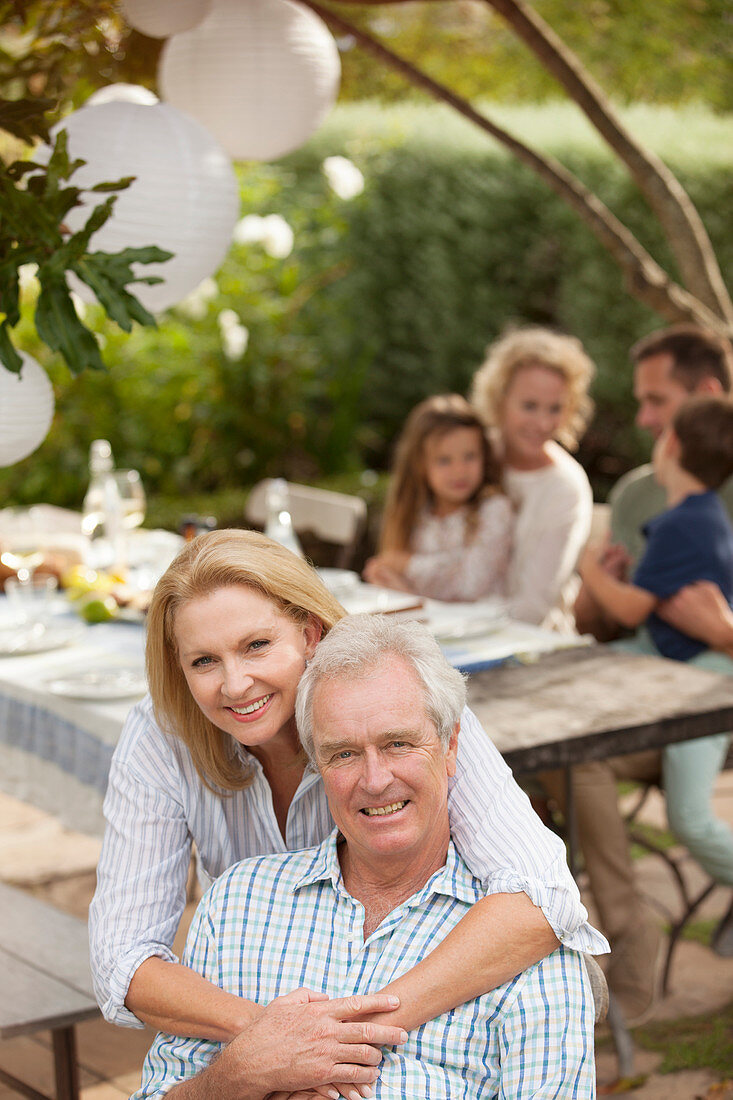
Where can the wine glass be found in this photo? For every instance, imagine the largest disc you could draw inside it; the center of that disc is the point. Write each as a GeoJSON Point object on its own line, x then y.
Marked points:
{"type": "Point", "coordinates": [21, 545]}
{"type": "Point", "coordinates": [132, 497]}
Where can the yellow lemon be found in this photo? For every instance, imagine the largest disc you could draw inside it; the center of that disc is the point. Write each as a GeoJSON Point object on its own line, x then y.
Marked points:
{"type": "Point", "coordinates": [81, 580]}
{"type": "Point", "coordinates": [79, 577]}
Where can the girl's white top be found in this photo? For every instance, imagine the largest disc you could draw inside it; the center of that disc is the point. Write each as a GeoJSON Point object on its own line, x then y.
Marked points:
{"type": "Point", "coordinates": [554, 510]}
{"type": "Point", "coordinates": [443, 566]}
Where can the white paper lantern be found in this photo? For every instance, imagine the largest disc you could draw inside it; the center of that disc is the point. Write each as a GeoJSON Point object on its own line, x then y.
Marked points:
{"type": "Point", "coordinates": [261, 75]}
{"type": "Point", "coordinates": [121, 93]}
{"type": "Point", "coordinates": [184, 198]}
{"type": "Point", "coordinates": [161, 18]}
{"type": "Point", "coordinates": [26, 410]}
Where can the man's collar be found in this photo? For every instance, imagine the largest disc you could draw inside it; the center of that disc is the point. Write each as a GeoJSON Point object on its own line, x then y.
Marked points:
{"type": "Point", "coordinates": [453, 879]}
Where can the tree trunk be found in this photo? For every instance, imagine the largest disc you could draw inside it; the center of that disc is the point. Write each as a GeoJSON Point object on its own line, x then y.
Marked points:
{"type": "Point", "coordinates": [644, 277]}
{"type": "Point", "coordinates": [670, 202]}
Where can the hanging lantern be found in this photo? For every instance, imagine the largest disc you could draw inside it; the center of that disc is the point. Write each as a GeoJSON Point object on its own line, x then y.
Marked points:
{"type": "Point", "coordinates": [184, 197]}
{"type": "Point", "coordinates": [26, 410]}
{"type": "Point", "coordinates": [161, 18]}
{"type": "Point", "coordinates": [122, 93]}
{"type": "Point", "coordinates": [261, 75]}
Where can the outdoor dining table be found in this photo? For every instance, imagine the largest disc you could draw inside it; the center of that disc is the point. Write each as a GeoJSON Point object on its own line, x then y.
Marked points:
{"type": "Point", "coordinates": [593, 702]}
{"type": "Point", "coordinates": [542, 710]}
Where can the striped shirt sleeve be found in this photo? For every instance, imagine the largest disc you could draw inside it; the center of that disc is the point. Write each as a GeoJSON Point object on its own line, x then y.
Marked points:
{"type": "Point", "coordinates": [505, 844]}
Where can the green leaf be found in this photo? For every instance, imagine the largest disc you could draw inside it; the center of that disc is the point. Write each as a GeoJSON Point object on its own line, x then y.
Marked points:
{"type": "Point", "coordinates": [8, 355]}
{"type": "Point", "coordinates": [108, 275]}
{"type": "Point", "coordinates": [78, 243]}
{"type": "Point", "coordinates": [10, 291]}
{"type": "Point", "coordinates": [34, 202]}
{"type": "Point", "coordinates": [20, 168]}
{"type": "Point", "coordinates": [24, 118]}
{"type": "Point", "coordinates": [119, 304]}
{"type": "Point", "coordinates": [59, 326]}
{"type": "Point", "coordinates": [117, 185]}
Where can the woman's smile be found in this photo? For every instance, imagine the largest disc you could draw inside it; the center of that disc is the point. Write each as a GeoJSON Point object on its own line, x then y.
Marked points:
{"type": "Point", "coordinates": [252, 710]}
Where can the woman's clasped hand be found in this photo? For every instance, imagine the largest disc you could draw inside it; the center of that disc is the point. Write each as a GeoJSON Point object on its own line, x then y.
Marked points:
{"type": "Point", "coordinates": [305, 1036]}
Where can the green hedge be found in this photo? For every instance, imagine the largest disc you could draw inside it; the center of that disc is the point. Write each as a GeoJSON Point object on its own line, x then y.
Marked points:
{"type": "Point", "coordinates": [384, 299]}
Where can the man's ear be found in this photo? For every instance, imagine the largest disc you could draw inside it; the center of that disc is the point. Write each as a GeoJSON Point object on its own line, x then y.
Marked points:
{"type": "Point", "coordinates": [452, 751]}
{"type": "Point", "coordinates": [709, 385]}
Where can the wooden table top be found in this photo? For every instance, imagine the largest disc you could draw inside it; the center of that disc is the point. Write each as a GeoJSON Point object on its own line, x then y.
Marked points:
{"type": "Point", "coordinates": [591, 703]}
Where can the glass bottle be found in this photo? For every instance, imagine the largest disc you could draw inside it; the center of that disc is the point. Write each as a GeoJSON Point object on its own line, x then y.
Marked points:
{"type": "Point", "coordinates": [279, 522]}
{"type": "Point", "coordinates": [102, 510]}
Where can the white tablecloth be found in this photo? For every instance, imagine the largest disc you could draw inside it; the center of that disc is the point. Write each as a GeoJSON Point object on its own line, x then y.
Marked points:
{"type": "Point", "coordinates": [55, 752]}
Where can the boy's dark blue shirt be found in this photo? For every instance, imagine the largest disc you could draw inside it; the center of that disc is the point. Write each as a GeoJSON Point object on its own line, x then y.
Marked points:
{"type": "Point", "coordinates": [693, 541]}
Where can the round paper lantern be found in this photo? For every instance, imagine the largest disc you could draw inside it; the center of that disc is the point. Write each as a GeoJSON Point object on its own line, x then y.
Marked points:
{"type": "Point", "coordinates": [123, 93]}
{"type": "Point", "coordinates": [161, 18]}
{"type": "Point", "coordinates": [184, 197]}
{"type": "Point", "coordinates": [26, 410]}
{"type": "Point", "coordinates": [261, 75]}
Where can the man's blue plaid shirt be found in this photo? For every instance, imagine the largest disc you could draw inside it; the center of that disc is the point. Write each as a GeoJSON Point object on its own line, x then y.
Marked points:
{"type": "Point", "coordinates": [272, 924]}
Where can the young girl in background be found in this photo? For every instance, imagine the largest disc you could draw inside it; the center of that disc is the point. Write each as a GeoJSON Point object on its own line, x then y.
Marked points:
{"type": "Point", "coordinates": [447, 528]}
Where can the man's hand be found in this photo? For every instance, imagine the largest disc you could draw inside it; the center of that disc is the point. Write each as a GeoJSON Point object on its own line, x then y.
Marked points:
{"type": "Point", "coordinates": [702, 611]}
{"type": "Point", "coordinates": [611, 558]}
{"type": "Point", "coordinates": [615, 560]}
{"type": "Point", "coordinates": [303, 1041]}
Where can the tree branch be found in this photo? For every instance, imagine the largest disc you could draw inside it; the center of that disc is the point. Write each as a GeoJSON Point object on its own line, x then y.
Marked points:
{"type": "Point", "coordinates": [670, 202]}
{"type": "Point", "coordinates": [644, 277]}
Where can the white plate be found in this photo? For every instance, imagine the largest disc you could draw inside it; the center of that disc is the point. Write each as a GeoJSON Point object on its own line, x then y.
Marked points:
{"type": "Point", "coordinates": [130, 615]}
{"type": "Point", "coordinates": [458, 630]}
{"type": "Point", "coordinates": [21, 641]}
{"type": "Point", "coordinates": [339, 582]}
{"type": "Point", "coordinates": [111, 683]}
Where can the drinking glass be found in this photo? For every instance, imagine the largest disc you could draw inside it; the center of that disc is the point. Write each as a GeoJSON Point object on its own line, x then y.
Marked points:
{"type": "Point", "coordinates": [132, 497]}
{"type": "Point", "coordinates": [31, 598]}
{"type": "Point", "coordinates": [21, 544]}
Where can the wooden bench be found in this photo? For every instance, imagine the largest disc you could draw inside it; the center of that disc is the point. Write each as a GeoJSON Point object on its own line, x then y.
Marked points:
{"type": "Point", "coordinates": [46, 983]}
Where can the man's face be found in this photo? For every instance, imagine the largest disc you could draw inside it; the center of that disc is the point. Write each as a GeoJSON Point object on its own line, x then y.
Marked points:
{"type": "Point", "coordinates": [384, 769]}
{"type": "Point", "coordinates": [658, 393]}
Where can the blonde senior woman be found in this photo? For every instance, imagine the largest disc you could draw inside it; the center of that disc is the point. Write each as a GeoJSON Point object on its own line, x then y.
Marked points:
{"type": "Point", "coordinates": [212, 758]}
{"type": "Point", "coordinates": [533, 391]}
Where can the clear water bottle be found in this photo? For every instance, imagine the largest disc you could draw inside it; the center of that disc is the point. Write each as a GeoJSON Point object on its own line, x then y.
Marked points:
{"type": "Point", "coordinates": [102, 510]}
{"type": "Point", "coordinates": [279, 522]}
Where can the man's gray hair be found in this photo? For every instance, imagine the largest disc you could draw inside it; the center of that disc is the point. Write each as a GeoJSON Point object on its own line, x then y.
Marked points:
{"type": "Point", "coordinates": [357, 643]}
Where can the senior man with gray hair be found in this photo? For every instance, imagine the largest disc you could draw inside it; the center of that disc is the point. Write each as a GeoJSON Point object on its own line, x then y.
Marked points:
{"type": "Point", "coordinates": [378, 711]}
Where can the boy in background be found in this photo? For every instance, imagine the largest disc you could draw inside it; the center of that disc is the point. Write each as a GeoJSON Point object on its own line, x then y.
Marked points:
{"type": "Point", "coordinates": [692, 540]}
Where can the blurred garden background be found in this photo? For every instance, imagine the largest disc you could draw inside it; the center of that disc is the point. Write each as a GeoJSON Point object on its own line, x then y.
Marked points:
{"type": "Point", "coordinates": [330, 319]}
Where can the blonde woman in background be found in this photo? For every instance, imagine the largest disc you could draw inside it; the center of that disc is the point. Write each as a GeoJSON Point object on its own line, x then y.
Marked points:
{"type": "Point", "coordinates": [533, 391]}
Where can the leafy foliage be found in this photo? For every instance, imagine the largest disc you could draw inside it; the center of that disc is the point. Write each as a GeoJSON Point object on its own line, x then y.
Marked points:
{"type": "Point", "coordinates": [65, 49]}
{"type": "Point", "coordinates": [24, 118]}
{"type": "Point", "coordinates": [384, 299]}
{"type": "Point", "coordinates": [35, 203]}
{"type": "Point", "coordinates": [672, 52]}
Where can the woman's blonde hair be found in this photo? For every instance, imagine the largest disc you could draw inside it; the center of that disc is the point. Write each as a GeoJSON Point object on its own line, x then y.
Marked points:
{"type": "Point", "coordinates": [537, 347]}
{"type": "Point", "coordinates": [409, 492]}
{"type": "Point", "coordinates": [221, 559]}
